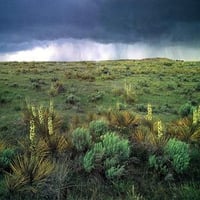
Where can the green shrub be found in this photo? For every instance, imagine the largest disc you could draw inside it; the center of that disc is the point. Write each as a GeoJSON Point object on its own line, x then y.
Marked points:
{"type": "Point", "coordinates": [88, 161]}
{"type": "Point", "coordinates": [189, 191]}
{"type": "Point", "coordinates": [197, 87]}
{"type": "Point", "coordinates": [96, 96]}
{"type": "Point", "coordinates": [116, 146]}
{"type": "Point", "coordinates": [178, 153]}
{"type": "Point", "coordinates": [175, 157]}
{"type": "Point", "coordinates": [93, 157]}
{"type": "Point", "coordinates": [108, 155]}
{"type": "Point", "coordinates": [121, 106]}
{"type": "Point", "coordinates": [185, 110]}
{"type": "Point", "coordinates": [115, 172]}
{"type": "Point", "coordinates": [6, 157]}
{"type": "Point", "coordinates": [81, 139]}
{"type": "Point", "coordinates": [141, 107]}
{"type": "Point", "coordinates": [158, 163]}
{"type": "Point", "coordinates": [5, 97]}
{"type": "Point", "coordinates": [98, 128]}
{"type": "Point", "coordinates": [72, 99]}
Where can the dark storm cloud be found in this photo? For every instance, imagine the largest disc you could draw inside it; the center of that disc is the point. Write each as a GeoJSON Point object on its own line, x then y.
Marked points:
{"type": "Point", "coordinates": [106, 20]}
{"type": "Point", "coordinates": [25, 19]}
{"type": "Point", "coordinates": [25, 24]}
{"type": "Point", "coordinates": [152, 19]}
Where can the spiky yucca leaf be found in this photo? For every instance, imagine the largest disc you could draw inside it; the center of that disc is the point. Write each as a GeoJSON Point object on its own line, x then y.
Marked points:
{"type": "Point", "coordinates": [28, 171]}
{"type": "Point", "coordinates": [139, 136]}
{"type": "Point", "coordinates": [155, 141]}
{"type": "Point", "coordinates": [53, 145]}
{"type": "Point", "coordinates": [185, 130]}
{"type": "Point", "coordinates": [123, 120]}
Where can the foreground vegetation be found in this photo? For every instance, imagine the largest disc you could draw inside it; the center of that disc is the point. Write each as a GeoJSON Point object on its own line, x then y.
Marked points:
{"type": "Point", "coordinates": [100, 130]}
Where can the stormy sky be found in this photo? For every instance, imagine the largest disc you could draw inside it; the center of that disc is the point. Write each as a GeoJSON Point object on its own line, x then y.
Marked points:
{"type": "Point", "coordinates": [72, 30]}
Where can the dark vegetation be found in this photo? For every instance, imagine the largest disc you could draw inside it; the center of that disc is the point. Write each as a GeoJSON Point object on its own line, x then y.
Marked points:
{"type": "Point", "coordinates": [100, 130]}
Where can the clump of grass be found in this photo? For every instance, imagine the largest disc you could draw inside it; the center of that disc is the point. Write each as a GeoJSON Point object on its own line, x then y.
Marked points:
{"type": "Point", "coordinates": [185, 110]}
{"type": "Point", "coordinates": [56, 88]}
{"type": "Point", "coordinates": [96, 96]}
{"type": "Point", "coordinates": [72, 99]}
{"type": "Point", "coordinates": [127, 92]}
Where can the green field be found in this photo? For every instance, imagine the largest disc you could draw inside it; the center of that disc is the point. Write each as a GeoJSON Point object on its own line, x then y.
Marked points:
{"type": "Point", "coordinates": [98, 105]}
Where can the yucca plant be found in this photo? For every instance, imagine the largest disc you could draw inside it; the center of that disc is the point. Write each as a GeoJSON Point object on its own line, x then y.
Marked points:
{"type": "Point", "coordinates": [185, 130]}
{"type": "Point", "coordinates": [123, 121]}
{"type": "Point", "coordinates": [129, 94]}
{"type": "Point", "coordinates": [44, 119]}
{"type": "Point", "coordinates": [52, 146]}
{"type": "Point", "coordinates": [28, 173]}
{"type": "Point", "coordinates": [154, 137]}
{"type": "Point", "coordinates": [45, 125]}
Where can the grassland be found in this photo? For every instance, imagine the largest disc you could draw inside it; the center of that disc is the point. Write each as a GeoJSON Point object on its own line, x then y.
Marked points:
{"type": "Point", "coordinates": [111, 91]}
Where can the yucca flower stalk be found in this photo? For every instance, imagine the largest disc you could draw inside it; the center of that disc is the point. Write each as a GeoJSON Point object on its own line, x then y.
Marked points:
{"type": "Point", "coordinates": [195, 116]}
{"type": "Point", "coordinates": [41, 114]}
{"type": "Point", "coordinates": [50, 125]}
{"type": "Point", "coordinates": [149, 115]}
{"type": "Point", "coordinates": [32, 131]}
{"type": "Point", "coordinates": [33, 108]}
{"type": "Point", "coordinates": [160, 129]}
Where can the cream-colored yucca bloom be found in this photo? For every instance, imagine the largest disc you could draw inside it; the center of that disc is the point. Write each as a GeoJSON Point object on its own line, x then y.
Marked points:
{"type": "Point", "coordinates": [41, 114]}
{"type": "Point", "coordinates": [160, 129]}
{"type": "Point", "coordinates": [51, 107]}
{"type": "Point", "coordinates": [195, 116]}
{"type": "Point", "coordinates": [149, 115]}
{"type": "Point", "coordinates": [32, 131]}
{"type": "Point", "coordinates": [50, 125]}
{"type": "Point", "coordinates": [33, 108]}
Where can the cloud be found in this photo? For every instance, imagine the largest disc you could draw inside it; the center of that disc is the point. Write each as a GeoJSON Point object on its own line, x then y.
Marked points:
{"type": "Point", "coordinates": [101, 20]}
{"type": "Point", "coordinates": [79, 50]}
{"type": "Point", "coordinates": [101, 29]}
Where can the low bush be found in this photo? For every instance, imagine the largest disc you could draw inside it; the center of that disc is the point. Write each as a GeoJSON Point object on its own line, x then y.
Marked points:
{"type": "Point", "coordinates": [6, 156]}
{"type": "Point", "coordinates": [81, 139]}
{"type": "Point", "coordinates": [98, 128]}
{"type": "Point", "coordinates": [109, 156]}
{"type": "Point", "coordinates": [185, 110]}
{"type": "Point", "coordinates": [178, 153]}
{"type": "Point", "coordinates": [72, 99]}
